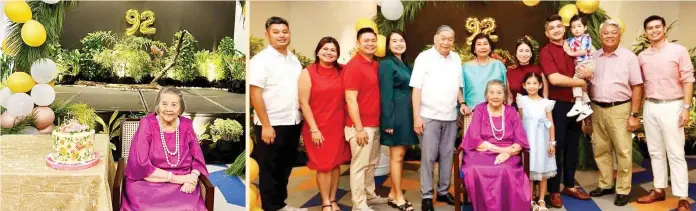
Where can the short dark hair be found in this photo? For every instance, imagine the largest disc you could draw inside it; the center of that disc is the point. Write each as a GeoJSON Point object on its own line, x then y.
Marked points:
{"type": "Point", "coordinates": [552, 18]}
{"type": "Point", "coordinates": [478, 37]}
{"type": "Point", "coordinates": [525, 41]}
{"type": "Point", "coordinates": [276, 20]}
{"type": "Point", "coordinates": [653, 18]}
{"type": "Point", "coordinates": [365, 30]}
{"type": "Point", "coordinates": [582, 20]}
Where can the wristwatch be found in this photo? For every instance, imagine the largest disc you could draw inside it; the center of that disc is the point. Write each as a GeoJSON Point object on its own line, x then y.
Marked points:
{"type": "Point", "coordinates": [687, 106]}
{"type": "Point", "coordinates": [634, 114]}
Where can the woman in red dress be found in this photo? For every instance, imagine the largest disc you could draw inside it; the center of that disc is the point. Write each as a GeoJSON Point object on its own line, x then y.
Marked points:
{"type": "Point", "coordinates": [322, 101]}
{"type": "Point", "coordinates": [525, 64]}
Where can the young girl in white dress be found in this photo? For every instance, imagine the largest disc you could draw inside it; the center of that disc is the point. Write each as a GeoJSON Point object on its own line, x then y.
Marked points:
{"type": "Point", "coordinates": [535, 112]}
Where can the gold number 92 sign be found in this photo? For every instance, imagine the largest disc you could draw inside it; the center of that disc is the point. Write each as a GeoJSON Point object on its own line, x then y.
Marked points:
{"type": "Point", "coordinates": [143, 21]}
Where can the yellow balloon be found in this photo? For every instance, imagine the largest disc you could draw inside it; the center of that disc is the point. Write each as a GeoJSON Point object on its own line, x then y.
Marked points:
{"type": "Point", "coordinates": [530, 3]}
{"type": "Point", "coordinates": [364, 23]}
{"type": "Point", "coordinates": [381, 46]}
{"type": "Point", "coordinates": [587, 6]}
{"type": "Point", "coordinates": [18, 11]}
{"type": "Point", "coordinates": [621, 25]}
{"type": "Point", "coordinates": [567, 12]}
{"type": "Point", "coordinates": [251, 147]}
{"type": "Point", "coordinates": [253, 194]}
{"type": "Point", "coordinates": [20, 82]}
{"type": "Point", "coordinates": [33, 33]}
{"type": "Point", "coordinates": [253, 169]}
{"type": "Point", "coordinates": [6, 49]}
{"type": "Point", "coordinates": [257, 209]}
{"type": "Point", "coordinates": [52, 83]}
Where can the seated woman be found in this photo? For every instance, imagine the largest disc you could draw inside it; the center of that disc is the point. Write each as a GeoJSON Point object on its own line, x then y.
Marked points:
{"type": "Point", "coordinates": [493, 174]}
{"type": "Point", "coordinates": [165, 160]}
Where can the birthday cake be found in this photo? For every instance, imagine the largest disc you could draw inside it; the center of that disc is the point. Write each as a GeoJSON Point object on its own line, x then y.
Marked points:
{"type": "Point", "coordinates": [73, 144]}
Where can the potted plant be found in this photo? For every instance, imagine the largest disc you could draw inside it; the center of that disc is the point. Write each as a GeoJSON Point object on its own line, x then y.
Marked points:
{"type": "Point", "coordinates": [225, 144]}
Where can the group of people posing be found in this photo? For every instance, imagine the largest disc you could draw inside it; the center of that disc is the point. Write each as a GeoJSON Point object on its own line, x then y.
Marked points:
{"type": "Point", "coordinates": [344, 113]}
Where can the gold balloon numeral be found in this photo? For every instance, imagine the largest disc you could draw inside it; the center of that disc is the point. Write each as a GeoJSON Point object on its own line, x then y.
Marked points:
{"type": "Point", "coordinates": [133, 18]}
{"type": "Point", "coordinates": [148, 18]}
{"type": "Point", "coordinates": [485, 26]}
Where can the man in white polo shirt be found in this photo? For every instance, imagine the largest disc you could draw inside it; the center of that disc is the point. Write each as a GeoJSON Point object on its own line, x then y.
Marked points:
{"type": "Point", "coordinates": [437, 83]}
{"type": "Point", "coordinates": [273, 76]}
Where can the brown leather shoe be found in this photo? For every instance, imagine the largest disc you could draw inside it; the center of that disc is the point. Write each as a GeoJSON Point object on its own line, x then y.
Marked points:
{"type": "Point", "coordinates": [683, 205]}
{"type": "Point", "coordinates": [577, 193]}
{"type": "Point", "coordinates": [556, 201]}
{"type": "Point", "coordinates": [651, 197]}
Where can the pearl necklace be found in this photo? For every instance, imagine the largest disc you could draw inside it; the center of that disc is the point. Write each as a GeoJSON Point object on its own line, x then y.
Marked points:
{"type": "Point", "coordinates": [164, 144]}
{"type": "Point", "coordinates": [502, 126]}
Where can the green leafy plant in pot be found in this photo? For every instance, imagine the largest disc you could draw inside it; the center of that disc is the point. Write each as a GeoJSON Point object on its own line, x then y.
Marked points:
{"type": "Point", "coordinates": [226, 145]}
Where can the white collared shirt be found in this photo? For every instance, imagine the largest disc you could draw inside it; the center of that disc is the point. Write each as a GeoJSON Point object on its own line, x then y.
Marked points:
{"type": "Point", "coordinates": [277, 75]}
{"type": "Point", "coordinates": [440, 79]}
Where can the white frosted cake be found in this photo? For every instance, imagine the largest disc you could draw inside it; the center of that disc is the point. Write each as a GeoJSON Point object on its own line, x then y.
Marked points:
{"type": "Point", "coordinates": [73, 143]}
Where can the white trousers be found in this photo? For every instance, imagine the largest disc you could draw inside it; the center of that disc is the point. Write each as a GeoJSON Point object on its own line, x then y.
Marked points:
{"type": "Point", "coordinates": [666, 144]}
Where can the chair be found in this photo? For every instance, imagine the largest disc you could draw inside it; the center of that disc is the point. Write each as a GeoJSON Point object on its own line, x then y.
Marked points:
{"type": "Point", "coordinates": [460, 190]}
{"type": "Point", "coordinates": [127, 131]}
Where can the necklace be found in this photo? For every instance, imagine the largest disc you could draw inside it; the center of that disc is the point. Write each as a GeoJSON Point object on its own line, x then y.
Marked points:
{"type": "Point", "coordinates": [502, 126]}
{"type": "Point", "coordinates": [167, 152]}
{"type": "Point", "coordinates": [484, 66]}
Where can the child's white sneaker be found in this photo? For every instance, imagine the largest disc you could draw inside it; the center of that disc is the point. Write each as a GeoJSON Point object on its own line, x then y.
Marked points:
{"type": "Point", "coordinates": [586, 111]}
{"type": "Point", "coordinates": [576, 109]}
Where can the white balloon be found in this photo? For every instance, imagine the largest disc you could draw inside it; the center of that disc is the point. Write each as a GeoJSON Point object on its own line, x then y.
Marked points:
{"type": "Point", "coordinates": [30, 130]}
{"type": "Point", "coordinates": [392, 9]}
{"type": "Point", "coordinates": [44, 70]}
{"type": "Point", "coordinates": [20, 104]}
{"type": "Point", "coordinates": [51, 1]}
{"type": "Point", "coordinates": [4, 95]}
{"type": "Point", "coordinates": [43, 94]}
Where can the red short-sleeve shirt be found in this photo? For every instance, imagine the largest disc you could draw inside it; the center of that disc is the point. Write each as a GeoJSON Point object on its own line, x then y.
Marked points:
{"type": "Point", "coordinates": [553, 59]}
{"type": "Point", "coordinates": [361, 75]}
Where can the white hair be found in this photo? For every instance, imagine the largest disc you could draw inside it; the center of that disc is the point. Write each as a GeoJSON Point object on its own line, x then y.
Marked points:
{"type": "Point", "coordinates": [443, 28]}
{"type": "Point", "coordinates": [610, 22]}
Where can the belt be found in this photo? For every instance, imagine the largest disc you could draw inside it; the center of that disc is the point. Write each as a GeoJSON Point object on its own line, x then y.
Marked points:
{"type": "Point", "coordinates": [653, 100]}
{"type": "Point", "coordinates": [611, 104]}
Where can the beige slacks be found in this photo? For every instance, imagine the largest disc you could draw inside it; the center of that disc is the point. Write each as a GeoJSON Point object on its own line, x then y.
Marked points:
{"type": "Point", "coordinates": [363, 165]}
{"type": "Point", "coordinates": [611, 136]}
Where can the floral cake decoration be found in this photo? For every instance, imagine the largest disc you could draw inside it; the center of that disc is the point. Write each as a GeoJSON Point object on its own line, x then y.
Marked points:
{"type": "Point", "coordinates": [71, 125]}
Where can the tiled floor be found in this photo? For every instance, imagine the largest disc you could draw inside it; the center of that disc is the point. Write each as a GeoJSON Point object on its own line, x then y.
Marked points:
{"type": "Point", "coordinates": [305, 193]}
{"type": "Point", "coordinates": [229, 190]}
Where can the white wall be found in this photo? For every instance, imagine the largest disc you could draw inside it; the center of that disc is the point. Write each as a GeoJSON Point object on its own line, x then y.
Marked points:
{"type": "Point", "coordinates": [310, 21]}
{"type": "Point", "coordinates": [633, 13]}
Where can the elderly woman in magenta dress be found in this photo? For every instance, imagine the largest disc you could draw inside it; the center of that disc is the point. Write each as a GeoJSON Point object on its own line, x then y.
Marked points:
{"type": "Point", "coordinates": [493, 173]}
{"type": "Point", "coordinates": [165, 160]}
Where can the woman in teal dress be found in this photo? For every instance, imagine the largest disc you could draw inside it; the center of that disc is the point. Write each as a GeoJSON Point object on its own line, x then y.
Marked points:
{"type": "Point", "coordinates": [478, 72]}
{"type": "Point", "coordinates": [397, 112]}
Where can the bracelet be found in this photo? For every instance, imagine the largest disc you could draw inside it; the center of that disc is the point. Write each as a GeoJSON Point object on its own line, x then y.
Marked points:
{"type": "Point", "coordinates": [169, 177]}
{"type": "Point", "coordinates": [314, 130]}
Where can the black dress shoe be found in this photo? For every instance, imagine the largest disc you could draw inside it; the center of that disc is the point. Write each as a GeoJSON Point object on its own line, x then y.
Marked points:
{"type": "Point", "coordinates": [447, 198]}
{"type": "Point", "coordinates": [427, 205]}
{"type": "Point", "coordinates": [621, 200]}
{"type": "Point", "coordinates": [601, 192]}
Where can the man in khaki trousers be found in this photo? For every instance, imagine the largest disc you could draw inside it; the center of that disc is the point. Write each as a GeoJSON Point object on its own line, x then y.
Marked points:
{"type": "Point", "coordinates": [615, 90]}
{"type": "Point", "coordinates": [361, 83]}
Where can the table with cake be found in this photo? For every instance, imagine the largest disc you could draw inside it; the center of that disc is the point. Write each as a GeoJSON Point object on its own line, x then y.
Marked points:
{"type": "Point", "coordinates": [70, 169]}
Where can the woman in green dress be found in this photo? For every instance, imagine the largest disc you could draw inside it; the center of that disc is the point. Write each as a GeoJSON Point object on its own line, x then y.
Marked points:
{"type": "Point", "coordinates": [397, 112]}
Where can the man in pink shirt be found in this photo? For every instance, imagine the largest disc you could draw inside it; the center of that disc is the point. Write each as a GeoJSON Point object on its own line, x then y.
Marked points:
{"type": "Point", "coordinates": [615, 90]}
{"type": "Point", "coordinates": [668, 75]}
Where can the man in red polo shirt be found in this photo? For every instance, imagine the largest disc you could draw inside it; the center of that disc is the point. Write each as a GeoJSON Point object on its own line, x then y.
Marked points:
{"type": "Point", "coordinates": [361, 83]}
{"type": "Point", "coordinates": [559, 69]}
